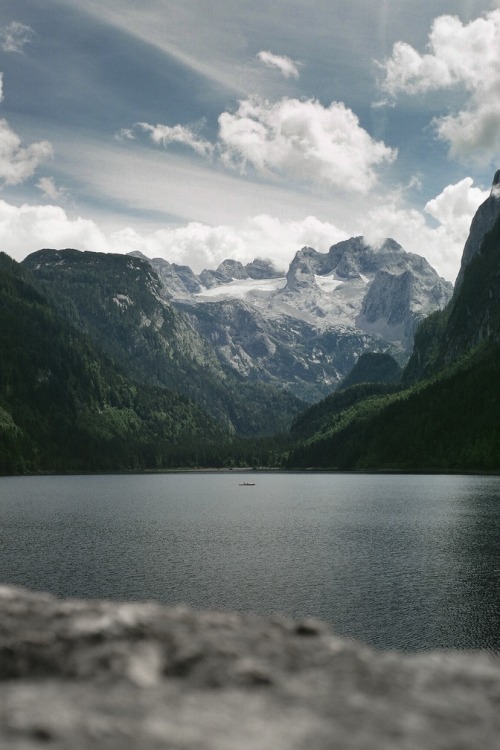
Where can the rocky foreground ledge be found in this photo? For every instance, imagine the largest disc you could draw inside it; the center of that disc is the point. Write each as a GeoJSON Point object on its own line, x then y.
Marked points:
{"type": "Point", "coordinates": [78, 674]}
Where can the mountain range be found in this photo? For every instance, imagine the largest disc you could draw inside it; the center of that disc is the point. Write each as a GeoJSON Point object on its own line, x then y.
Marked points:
{"type": "Point", "coordinates": [303, 331]}
{"type": "Point", "coordinates": [119, 362]}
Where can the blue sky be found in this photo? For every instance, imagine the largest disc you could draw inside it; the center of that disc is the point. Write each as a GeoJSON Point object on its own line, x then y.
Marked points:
{"type": "Point", "coordinates": [201, 130]}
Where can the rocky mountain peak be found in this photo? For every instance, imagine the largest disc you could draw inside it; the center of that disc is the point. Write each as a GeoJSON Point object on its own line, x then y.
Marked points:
{"type": "Point", "coordinates": [261, 268]}
{"type": "Point", "coordinates": [304, 332]}
{"type": "Point", "coordinates": [233, 269]}
{"type": "Point", "coordinates": [306, 263]}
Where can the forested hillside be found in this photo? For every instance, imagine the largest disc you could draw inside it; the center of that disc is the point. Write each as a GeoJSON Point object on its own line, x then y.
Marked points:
{"type": "Point", "coordinates": [65, 406]}
{"type": "Point", "coordinates": [448, 423]}
{"type": "Point", "coordinates": [120, 303]}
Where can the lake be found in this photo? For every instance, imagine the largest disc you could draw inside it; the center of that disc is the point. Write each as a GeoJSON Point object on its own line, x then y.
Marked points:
{"type": "Point", "coordinates": [398, 561]}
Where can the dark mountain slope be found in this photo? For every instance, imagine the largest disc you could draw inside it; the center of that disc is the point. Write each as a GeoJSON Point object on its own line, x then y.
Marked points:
{"type": "Point", "coordinates": [120, 302]}
{"type": "Point", "coordinates": [449, 424]}
{"type": "Point", "coordinates": [373, 367]}
{"type": "Point", "coordinates": [65, 406]}
{"type": "Point", "coordinates": [473, 314]}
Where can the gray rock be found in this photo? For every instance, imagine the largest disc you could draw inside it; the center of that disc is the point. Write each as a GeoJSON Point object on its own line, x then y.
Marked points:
{"type": "Point", "coordinates": [261, 268]}
{"type": "Point", "coordinates": [484, 219]}
{"type": "Point", "coordinates": [84, 675]}
{"type": "Point", "coordinates": [303, 332]}
{"type": "Point", "coordinates": [233, 269]}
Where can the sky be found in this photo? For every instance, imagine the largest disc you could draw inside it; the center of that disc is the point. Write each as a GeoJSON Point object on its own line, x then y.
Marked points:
{"type": "Point", "coordinates": [197, 130]}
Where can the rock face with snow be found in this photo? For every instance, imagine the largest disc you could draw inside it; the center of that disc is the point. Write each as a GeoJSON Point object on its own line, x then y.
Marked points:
{"type": "Point", "coordinates": [304, 330]}
{"type": "Point", "coordinates": [105, 675]}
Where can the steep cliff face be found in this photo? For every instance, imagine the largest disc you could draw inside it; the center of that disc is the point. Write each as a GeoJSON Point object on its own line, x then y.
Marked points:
{"type": "Point", "coordinates": [483, 221]}
{"type": "Point", "coordinates": [473, 314]}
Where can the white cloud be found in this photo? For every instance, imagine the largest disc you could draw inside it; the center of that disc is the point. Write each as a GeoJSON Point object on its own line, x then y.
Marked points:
{"type": "Point", "coordinates": [18, 163]}
{"type": "Point", "coordinates": [456, 205]}
{"type": "Point", "coordinates": [287, 67]}
{"type": "Point", "coordinates": [27, 228]}
{"type": "Point", "coordinates": [460, 56]}
{"type": "Point", "coordinates": [442, 246]}
{"type": "Point", "coordinates": [49, 188]}
{"type": "Point", "coordinates": [302, 139]}
{"type": "Point", "coordinates": [15, 36]}
{"type": "Point", "coordinates": [202, 246]}
{"type": "Point", "coordinates": [125, 134]}
{"type": "Point", "coordinates": [165, 135]}
{"type": "Point", "coordinates": [473, 133]}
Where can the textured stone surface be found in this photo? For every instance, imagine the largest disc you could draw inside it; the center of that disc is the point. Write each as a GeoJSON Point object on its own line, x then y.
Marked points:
{"type": "Point", "coordinates": [484, 219]}
{"type": "Point", "coordinates": [304, 332]}
{"type": "Point", "coordinates": [105, 675]}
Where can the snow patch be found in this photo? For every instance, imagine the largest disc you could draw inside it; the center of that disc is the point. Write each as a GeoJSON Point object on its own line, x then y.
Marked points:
{"type": "Point", "coordinates": [239, 289]}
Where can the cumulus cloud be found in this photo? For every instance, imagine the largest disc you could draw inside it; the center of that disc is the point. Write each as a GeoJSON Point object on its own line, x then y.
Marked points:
{"type": "Point", "coordinates": [473, 133]}
{"type": "Point", "coordinates": [15, 36]}
{"type": "Point", "coordinates": [455, 207]}
{"type": "Point", "coordinates": [438, 233]}
{"type": "Point", "coordinates": [302, 139]}
{"type": "Point", "coordinates": [442, 245]}
{"type": "Point", "coordinates": [287, 67]}
{"type": "Point", "coordinates": [460, 56]}
{"type": "Point", "coordinates": [28, 228]}
{"type": "Point", "coordinates": [203, 246]}
{"type": "Point", "coordinates": [164, 135]}
{"type": "Point", "coordinates": [18, 163]}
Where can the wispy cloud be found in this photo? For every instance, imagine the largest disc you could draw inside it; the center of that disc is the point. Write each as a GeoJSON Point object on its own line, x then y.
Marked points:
{"type": "Point", "coordinates": [465, 56]}
{"type": "Point", "coordinates": [49, 188]}
{"type": "Point", "coordinates": [287, 67]}
{"type": "Point", "coordinates": [303, 139]}
{"type": "Point", "coordinates": [164, 135]}
{"type": "Point", "coordinates": [18, 163]}
{"type": "Point", "coordinates": [15, 36]}
{"type": "Point", "coordinates": [125, 134]}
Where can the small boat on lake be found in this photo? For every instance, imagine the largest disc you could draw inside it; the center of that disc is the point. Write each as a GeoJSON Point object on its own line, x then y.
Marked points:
{"type": "Point", "coordinates": [247, 484]}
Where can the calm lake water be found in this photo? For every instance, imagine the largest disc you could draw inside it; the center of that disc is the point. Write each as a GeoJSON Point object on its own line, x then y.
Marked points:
{"type": "Point", "coordinates": [406, 562]}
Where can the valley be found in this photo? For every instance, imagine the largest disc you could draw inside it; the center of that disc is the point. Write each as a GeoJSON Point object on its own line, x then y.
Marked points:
{"type": "Point", "coordinates": [358, 358]}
